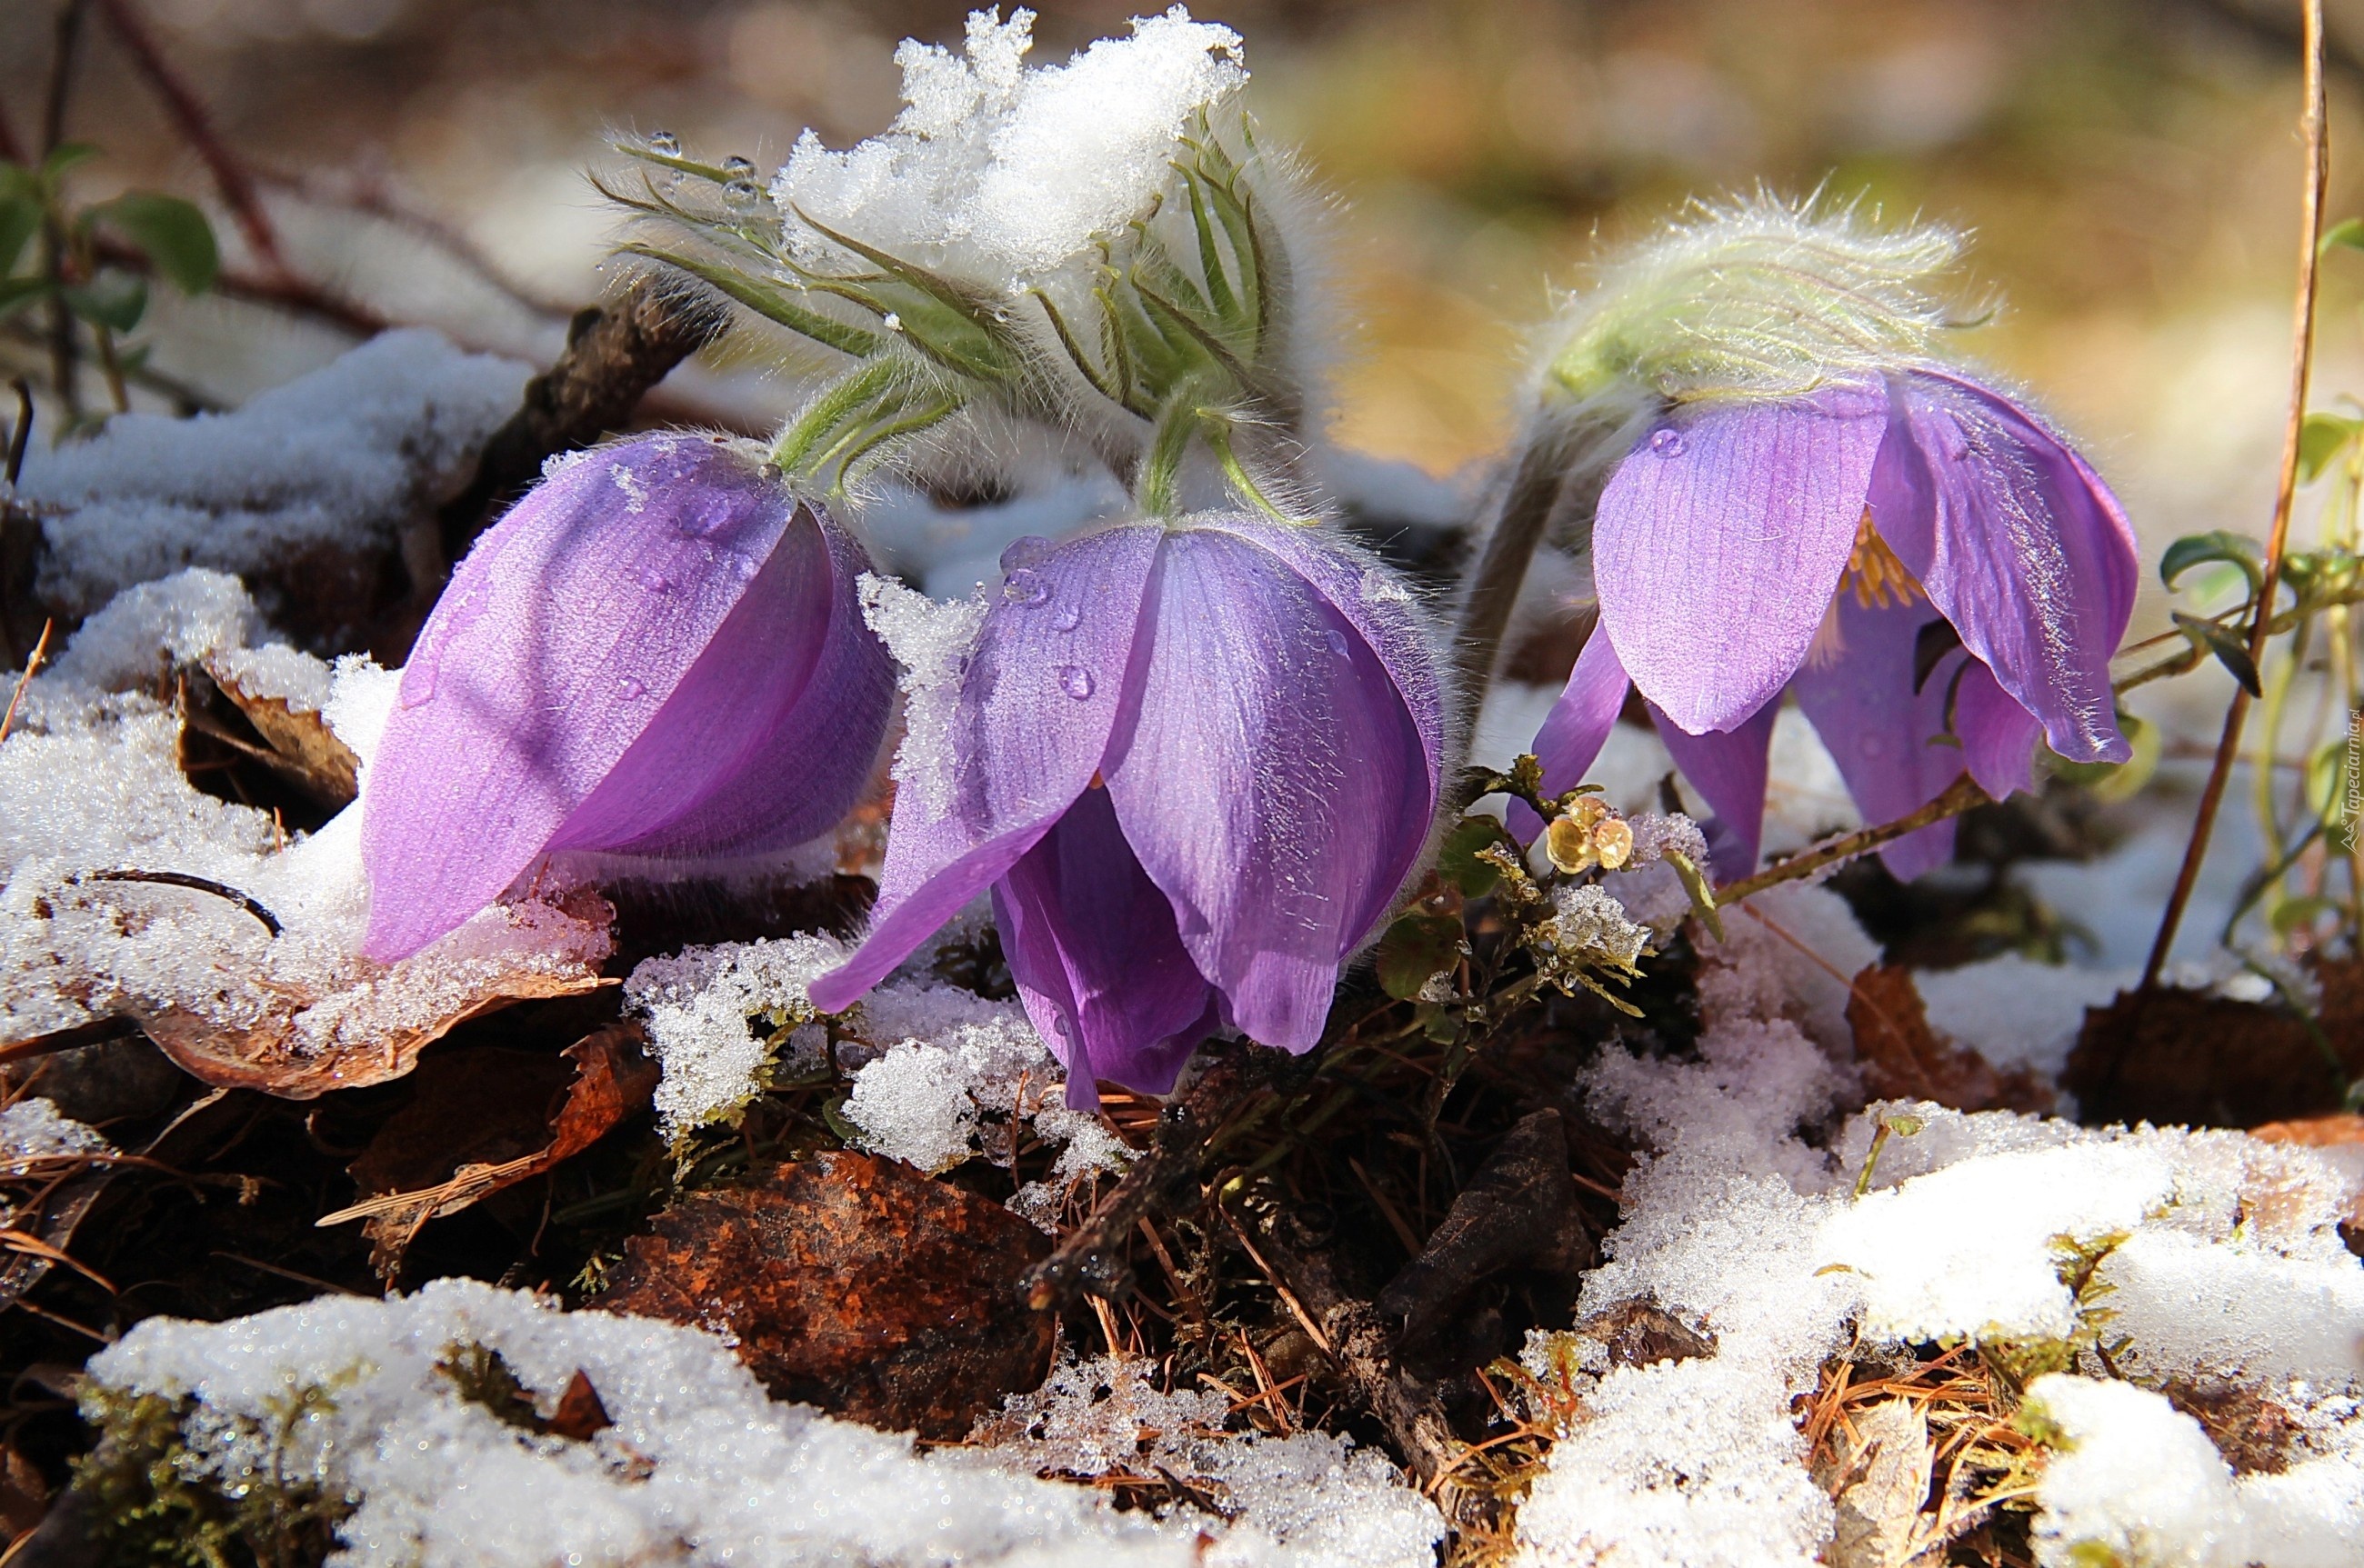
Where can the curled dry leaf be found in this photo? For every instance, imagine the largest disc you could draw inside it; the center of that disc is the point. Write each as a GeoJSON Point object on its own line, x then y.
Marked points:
{"type": "Point", "coordinates": [263, 1056]}
{"type": "Point", "coordinates": [301, 746]}
{"type": "Point", "coordinates": [485, 1119]}
{"type": "Point", "coordinates": [1878, 1475]}
{"type": "Point", "coordinates": [1904, 1058]}
{"type": "Point", "coordinates": [855, 1283]}
{"type": "Point", "coordinates": [2169, 1055]}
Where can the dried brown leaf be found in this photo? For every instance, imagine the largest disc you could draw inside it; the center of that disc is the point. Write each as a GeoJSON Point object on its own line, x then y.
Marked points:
{"type": "Point", "coordinates": [1904, 1058]}
{"type": "Point", "coordinates": [303, 747]}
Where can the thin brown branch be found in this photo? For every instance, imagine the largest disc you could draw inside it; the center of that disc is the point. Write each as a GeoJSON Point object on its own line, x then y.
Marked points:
{"type": "Point", "coordinates": [229, 175]}
{"type": "Point", "coordinates": [614, 354]}
{"type": "Point", "coordinates": [1962, 795]}
{"type": "Point", "coordinates": [2314, 128]}
{"type": "Point", "coordinates": [32, 667]}
{"type": "Point", "coordinates": [66, 40]}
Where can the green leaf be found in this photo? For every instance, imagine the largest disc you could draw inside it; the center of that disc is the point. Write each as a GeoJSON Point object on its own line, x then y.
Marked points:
{"type": "Point", "coordinates": [1457, 859]}
{"type": "Point", "coordinates": [113, 300]}
{"type": "Point", "coordinates": [169, 232]}
{"type": "Point", "coordinates": [20, 219]}
{"type": "Point", "coordinates": [2296, 914]}
{"type": "Point", "coordinates": [2112, 782]}
{"type": "Point", "coordinates": [67, 154]}
{"type": "Point", "coordinates": [16, 294]}
{"type": "Point", "coordinates": [1416, 947]}
{"type": "Point", "coordinates": [2328, 781]}
{"type": "Point", "coordinates": [2321, 439]}
{"type": "Point", "coordinates": [2347, 234]}
{"type": "Point", "coordinates": [2230, 650]}
{"type": "Point", "coordinates": [2192, 550]}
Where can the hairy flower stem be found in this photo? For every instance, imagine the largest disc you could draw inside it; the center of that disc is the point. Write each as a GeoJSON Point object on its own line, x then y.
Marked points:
{"type": "Point", "coordinates": [2261, 623]}
{"type": "Point", "coordinates": [1962, 795]}
{"type": "Point", "coordinates": [1501, 569]}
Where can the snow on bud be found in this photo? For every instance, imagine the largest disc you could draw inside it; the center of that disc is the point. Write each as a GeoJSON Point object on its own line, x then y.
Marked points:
{"type": "Point", "coordinates": [1195, 764]}
{"type": "Point", "coordinates": [656, 653]}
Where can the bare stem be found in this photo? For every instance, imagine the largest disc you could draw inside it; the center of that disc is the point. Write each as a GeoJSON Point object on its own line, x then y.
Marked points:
{"type": "Point", "coordinates": [2262, 623]}
{"type": "Point", "coordinates": [1962, 795]}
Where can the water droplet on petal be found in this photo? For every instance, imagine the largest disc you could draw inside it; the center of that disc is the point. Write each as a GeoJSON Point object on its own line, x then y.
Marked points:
{"type": "Point", "coordinates": [743, 193]}
{"type": "Point", "coordinates": [654, 580]}
{"type": "Point", "coordinates": [1068, 618]}
{"type": "Point", "coordinates": [1025, 586]}
{"type": "Point", "coordinates": [1336, 640]}
{"type": "Point", "coordinates": [1667, 442]}
{"type": "Point", "coordinates": [665, 142]}
{"type": "Point", "coordinates": [704, 519]}
{"type": "Point", "coordinates": [741, 168]}
{"type": "Point", "coordinates": [632, 688]}
{"type": "Point", "coordinates": [1076, 680]}
{"type": "Point", "coordinates": [1024, 552]}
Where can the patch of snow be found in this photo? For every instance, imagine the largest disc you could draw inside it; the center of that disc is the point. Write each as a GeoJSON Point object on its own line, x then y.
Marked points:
{"type": "Point", "coordinates": [1310, 1498]}
{"type": "Point", "coordinates": [339, 458]}
{"type": "Point", "coordinates": [699, 1468]}
{"type": "Point", "coordinates": [699, 1007]}
{"type": "Point", "coordinates": [146, 633]}
{"type": "Point", "coordinates": [2017, 1012]}
{"type": "Point", "coordinates": [998, 174]}
{"type": "Point", "coordinates": [33, 1128]}
{"type": "Point", "coordinates": [932, 641]}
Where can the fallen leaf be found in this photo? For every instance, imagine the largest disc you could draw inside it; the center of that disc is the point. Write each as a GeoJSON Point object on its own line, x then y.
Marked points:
{"type": "Point", "coordinates": [854, 1284]}
{"type": "Point", "coordinates": [300, 744]}
{"type": "Point", "coordinates": [1640, 1332]}
{"type": "Point", "coordinates": [1878, 1478]}
{"type": "Point", "coordinates": [485, 1119]}
{"type": "Point", "coordinates": [2315, 1133]}
{"type": "Point", "coordinates": [262, 1057]}
{"type": "Point", "coordinates": [1904, 1058]}
{"type": "Point", "coordinates": [580, 1415]}
{"type": "Point", "coordinates": [2175, 1056]}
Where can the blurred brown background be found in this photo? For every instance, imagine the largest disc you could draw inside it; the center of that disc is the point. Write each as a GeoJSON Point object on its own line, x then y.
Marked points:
{"type": "Point", "coordinates": [2130, 167]}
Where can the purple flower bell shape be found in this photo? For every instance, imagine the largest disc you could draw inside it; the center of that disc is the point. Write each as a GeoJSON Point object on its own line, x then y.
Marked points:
{"type": "Point", "coordinates": [1195, 762]}
{"type": "Point", "coordinates": [1801, 490]}
{"type": "Point", "coordinates": [656, 653]}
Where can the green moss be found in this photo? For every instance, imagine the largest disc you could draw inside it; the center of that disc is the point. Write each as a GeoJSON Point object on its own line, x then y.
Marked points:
{"type": "Point", "coordinates": [237, 1501]}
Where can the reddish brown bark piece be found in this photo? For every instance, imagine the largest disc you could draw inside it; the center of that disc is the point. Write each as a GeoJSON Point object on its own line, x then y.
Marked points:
{"type": "Point", "coordinates": [1904, 1058]}
{"type": "Point", "coordinates": [580, 1415]}
{"type": "Point", "coordinates": [854, 1284]}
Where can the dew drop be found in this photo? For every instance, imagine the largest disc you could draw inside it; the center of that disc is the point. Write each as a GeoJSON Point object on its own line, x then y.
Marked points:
{"type": "Point", "coordinates": [704, 519]}
{"type": "Point", "coordinates": [1025, 586]}
{"type": "Point", "coordinates": [1069, 617]}
{"type": "Point", "coordinates": [1076, 680]}
{"type": "Point", "coordinates": [632, 688]}
{"type": "Point", "coordinates": [1336, 640]}
{"type": "Point", "coordinates": [737, 167]}
{"type": "Point", "coordinates": [1024, 552]}
{"type": "Point", "coordinates": [665, 142]}
{"type": "Point", "coordinates": [1667, 442]}
{"type": "Point", "coordinates": [743, 193]}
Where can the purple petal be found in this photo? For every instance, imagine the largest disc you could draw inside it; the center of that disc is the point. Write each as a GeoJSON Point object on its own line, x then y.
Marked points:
{"type": "Point", "coordinates": [2019, 544]}
{"type": "Point", "coordinates": [1272, 780]}
{"type": "Point", "coordinates": [1728, 770]}
{"type": "Point", "coordinates": [1879, 730]}
{"type": "Point", "coordinates": [772, 734]}
{"type": "Point", "coordinates": [1998, 735]}
{"type": "Point", "coordinates": [1719, 540]}
{"type": "Point", "coordinates": [561, 636]}
{"type": "Point", "coordinates": [1092, 944]}
{"type": "Point", "coordinates": [1023, 745]}
{"type": "Point", "coordinates": [1579, 722]}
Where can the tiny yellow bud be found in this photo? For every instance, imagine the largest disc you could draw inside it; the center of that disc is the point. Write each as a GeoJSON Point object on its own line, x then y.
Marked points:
{"type": "Point", "coordinates": [1569, 844]}
{"type": "Point", "coordinates": [1612, 842]}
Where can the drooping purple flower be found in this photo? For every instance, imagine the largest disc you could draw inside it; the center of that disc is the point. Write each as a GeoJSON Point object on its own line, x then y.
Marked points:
{"type": "Point", "coordinates": [656, 653]}
{"type": "Point", "coordinates": [1195, 764]}
{"type": "Point", "coordinates": [1813, 544]}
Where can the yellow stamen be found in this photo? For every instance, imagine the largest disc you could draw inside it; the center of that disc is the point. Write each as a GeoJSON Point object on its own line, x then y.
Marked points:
{"type": "Point", "coordinates": [1874, 572]}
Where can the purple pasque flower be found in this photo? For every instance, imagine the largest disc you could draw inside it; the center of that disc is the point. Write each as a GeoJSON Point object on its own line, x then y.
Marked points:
{"type": "Point", "coordinates": [656, 653]}
{"type": "Point", "coordinates": [1195, 762]}
{"type": "Point", "coordinates": [1748, 546]}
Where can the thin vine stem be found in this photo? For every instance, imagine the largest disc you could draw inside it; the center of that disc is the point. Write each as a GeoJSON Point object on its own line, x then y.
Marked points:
{"type": "Point", "coordinates": [2317, 135]}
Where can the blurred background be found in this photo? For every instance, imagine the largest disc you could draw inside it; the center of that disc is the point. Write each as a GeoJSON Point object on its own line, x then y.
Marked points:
{"type": "Point", "coordinates": [2130, 168]}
